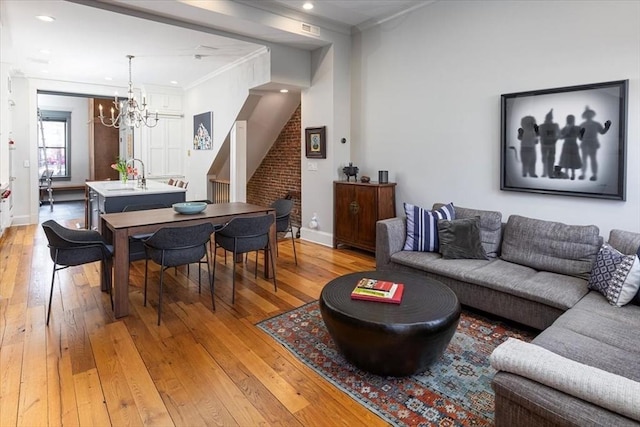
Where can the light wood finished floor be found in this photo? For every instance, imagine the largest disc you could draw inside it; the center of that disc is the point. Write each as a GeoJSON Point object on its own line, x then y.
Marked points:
{"type": "Point", "coordinates": [197, 368]}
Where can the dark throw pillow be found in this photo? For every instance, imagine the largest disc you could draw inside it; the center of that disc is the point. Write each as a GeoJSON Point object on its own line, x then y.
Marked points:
{"type": "Point", "coordinates": [422, 231]}
{"type": "Point", "coordinates": [460, 239]}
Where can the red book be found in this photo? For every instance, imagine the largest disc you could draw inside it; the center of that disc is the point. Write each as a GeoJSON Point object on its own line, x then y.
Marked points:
{"type": "Point", "coordinates": [393, 297]}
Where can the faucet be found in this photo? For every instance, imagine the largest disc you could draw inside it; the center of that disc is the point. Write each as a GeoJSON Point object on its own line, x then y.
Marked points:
{"type": "Point", "coordinates": [142, 182]}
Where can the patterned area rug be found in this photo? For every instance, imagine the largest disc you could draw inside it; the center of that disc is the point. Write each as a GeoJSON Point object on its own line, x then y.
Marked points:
{"type": "Point", "coordinates": [456, 391]}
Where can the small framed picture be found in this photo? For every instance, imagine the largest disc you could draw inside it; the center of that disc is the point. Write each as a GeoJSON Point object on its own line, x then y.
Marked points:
{"type": "Point", "coordinates": [316, 143]}
{"type": "Point", "coordinates": [569, 141]}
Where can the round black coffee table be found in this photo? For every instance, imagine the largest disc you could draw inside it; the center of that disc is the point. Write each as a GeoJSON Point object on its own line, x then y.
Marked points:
{"type": "Point", "coordinates": [391, 339]}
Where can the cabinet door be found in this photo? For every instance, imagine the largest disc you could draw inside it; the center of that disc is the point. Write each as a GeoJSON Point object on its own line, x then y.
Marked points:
{"type": "Point", "coordinates": [344, 212]}
{"type": "Point", "coordinates": [367, 200]}
{"type": "Point", "coordinates": [166, 151]}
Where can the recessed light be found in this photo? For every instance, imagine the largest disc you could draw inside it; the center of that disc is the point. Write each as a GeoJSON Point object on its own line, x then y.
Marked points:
{"type": "Point", "coordinates": [46, 18]}
{"type": "Point", "coordinates": [307, 6]}
{"type": "Point", "coordinates": [108, 78]}
{"type": "Point", "coordinates": [284, 90]}
{"type": "Point", "coordinates": [45, 52]}
{"type": "Point", "coordinates": [174, 82]}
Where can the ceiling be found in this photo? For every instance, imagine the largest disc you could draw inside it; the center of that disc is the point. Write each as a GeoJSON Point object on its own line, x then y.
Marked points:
{"type": "Point", "coordinates": [172, 41]}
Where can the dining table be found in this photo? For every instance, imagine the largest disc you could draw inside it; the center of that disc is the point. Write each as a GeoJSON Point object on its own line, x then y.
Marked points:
{"type": "Point", "coordinates": [118, 227]}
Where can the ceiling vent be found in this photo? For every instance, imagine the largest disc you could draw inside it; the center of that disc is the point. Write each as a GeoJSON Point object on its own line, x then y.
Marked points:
{"type": "Point", "coordinates": [310, 29]}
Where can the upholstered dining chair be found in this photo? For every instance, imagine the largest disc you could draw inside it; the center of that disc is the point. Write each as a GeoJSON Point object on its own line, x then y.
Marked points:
{"type": "Point", "coordinates": [174, 246]}
{"type": "Point", "coordinates": [283, 209]}
{"type": "Point", "coordinates": [71, 247]}
{"type": "Point", "coordinates": [242, 235]}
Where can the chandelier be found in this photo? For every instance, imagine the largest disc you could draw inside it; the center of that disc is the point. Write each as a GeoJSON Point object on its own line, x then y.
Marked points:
{"type": "Point", "coordinates": [130, 113]}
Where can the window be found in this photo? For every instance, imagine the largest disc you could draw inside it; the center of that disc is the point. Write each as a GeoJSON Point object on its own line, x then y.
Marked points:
{"type": "Point", "coordinates": [54, 152]}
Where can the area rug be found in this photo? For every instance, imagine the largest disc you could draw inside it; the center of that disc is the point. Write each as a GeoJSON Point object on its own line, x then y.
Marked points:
{"type": "Point", "coordinates": [455, 391]}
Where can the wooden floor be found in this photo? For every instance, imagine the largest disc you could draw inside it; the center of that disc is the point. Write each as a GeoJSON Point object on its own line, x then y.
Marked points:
{"type": "Point", "coordinates": [197, 368]}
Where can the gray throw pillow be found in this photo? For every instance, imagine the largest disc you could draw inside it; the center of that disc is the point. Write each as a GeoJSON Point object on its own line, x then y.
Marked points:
{"type": "Point", "coordinates": [460, 239]}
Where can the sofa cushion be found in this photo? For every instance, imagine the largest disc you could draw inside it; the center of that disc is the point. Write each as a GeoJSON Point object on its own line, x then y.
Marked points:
{"type": "Point", "coordinates": [434, 263]}
{"type": "Point", "coordinates": [615, 275]}
{"type": "Point", "coordinates": [626, 242]}
{"type": "Point", "coordinates": [597, 334]}
{"type": "Point", "coordinates": [460, 239]}
{"type": "Point", "coordinates": [490, 227]}
{"type": "Point", "coordinates": [552, 289]}
{"type": "Point", "coordinates": [422, 231]}
{"type": "Point", "coordinates": [551, 246]}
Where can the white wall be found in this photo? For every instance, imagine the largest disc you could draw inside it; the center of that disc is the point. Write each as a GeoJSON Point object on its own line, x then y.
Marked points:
{"type": "Point", "coordinates": [223, 94]}
{"type": "Point", "coordinates": [79, 108]}
{"type": "Point", "coordinates": [326, 103]}
{"type": "Point", "coordinates": [426, 97]}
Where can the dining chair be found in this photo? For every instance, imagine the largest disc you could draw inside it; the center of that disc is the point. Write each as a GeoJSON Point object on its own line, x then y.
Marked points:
{"type": "Point", "coordinates": [242, 235]}
{"type": "Point", "coordinates": [71, 247]}
{"type": "Point", "coordinates": [136, 247]}
{"type": "Point", "coordinates": [283, 209]}
{"type": "Point", "coordinates": [174, 246]}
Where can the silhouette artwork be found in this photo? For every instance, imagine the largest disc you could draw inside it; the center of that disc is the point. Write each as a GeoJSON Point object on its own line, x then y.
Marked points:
{"type": "Point", "coordinates": [549, 133]}
{"type": "Point", "coordinates": [566, 141]}
{"type": "Point", "coordinates": [528, 136]}
{"type": "Point", "coordinates": [570, 155]}
{"type": "Point", "coordinates": [589, 142]}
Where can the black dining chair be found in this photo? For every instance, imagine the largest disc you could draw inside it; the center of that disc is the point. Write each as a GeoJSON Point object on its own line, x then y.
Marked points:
{"type": "Point", "coordinates": [242, 235]}
{"type": "Point", "coordinates": [174, 246]}
{"type": "Point", "coordinates": [71, 247]}
{"type": "Point", "coordinates": [136, 247]}
{"type": "Point", "coordinates": [283, 209]}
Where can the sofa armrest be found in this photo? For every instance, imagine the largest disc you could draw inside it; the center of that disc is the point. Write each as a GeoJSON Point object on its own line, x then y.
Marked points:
{"type": "Point", "coordinates": [390, 237]}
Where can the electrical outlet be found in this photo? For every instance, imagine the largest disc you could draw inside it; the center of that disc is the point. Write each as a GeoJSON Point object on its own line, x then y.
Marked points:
{"type": "Point", "coordinates": [312, 166]}
{"type": "Point", "coordinates": [26, 164]}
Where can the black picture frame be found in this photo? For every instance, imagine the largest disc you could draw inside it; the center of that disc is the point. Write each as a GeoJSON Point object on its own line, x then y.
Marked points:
{"type": "Point", "coordinates": [538, 124]}
{"type": "Point", "coordinates": [316, 143]}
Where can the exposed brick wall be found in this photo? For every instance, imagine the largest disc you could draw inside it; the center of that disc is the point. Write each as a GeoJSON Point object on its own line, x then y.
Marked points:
{"type": "Point", "coordinates": [279, 172]}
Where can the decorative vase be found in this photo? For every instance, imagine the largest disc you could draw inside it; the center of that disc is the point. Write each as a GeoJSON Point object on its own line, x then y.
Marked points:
{"type": "Point", "coordinates": [124, 178]}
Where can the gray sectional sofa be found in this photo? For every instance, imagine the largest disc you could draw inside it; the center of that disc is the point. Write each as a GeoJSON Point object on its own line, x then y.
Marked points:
{"type": "Point", "coordinates": [537, 275]}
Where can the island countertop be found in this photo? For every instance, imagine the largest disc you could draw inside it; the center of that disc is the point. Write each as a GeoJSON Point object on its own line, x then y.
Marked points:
{"type": "Point", "coordinates": [118, 188]}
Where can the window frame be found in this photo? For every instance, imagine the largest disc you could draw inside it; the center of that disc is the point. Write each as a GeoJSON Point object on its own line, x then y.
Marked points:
{"type": "Point", "coordinates": [63, 117]}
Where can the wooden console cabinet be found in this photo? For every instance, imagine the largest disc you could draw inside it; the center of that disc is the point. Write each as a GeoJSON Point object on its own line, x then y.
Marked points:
{"type": "Point", "coordinates": [357, 207]}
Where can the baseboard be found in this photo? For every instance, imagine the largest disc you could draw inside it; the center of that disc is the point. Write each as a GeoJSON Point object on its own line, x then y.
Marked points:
{"type": "Point", "coordinates": [315, 236]}
{"type": "Point", "coordinates": [23, 220]}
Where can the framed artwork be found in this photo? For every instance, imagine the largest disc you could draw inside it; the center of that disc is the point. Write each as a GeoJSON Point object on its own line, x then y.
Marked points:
{"type": "Point", "coordinates": [203, 131]}
{"type": "Point", "coordinates": [568, 141]}
{"type": "Point", "coordinates": [316, 143]}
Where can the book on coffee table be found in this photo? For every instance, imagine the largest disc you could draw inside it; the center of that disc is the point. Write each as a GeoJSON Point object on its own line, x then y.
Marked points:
{"type": "Point", "coordinates": [378, 290]}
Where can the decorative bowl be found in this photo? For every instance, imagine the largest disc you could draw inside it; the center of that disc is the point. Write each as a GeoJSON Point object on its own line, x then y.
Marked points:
{"type": "Point", "coordinates": [189, 208]}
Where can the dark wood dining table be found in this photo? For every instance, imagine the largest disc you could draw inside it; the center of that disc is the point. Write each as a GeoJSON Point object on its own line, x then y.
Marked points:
{"type": "Point", "coordinates": [118, 227]}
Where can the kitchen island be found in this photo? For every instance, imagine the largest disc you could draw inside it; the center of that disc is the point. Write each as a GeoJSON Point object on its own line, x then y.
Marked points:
{"type": "Point", "coordinates": [112, 196]}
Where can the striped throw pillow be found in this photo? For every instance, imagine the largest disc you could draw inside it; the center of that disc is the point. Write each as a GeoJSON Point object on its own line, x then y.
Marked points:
{"type": "Point", "coordinates": [422, 227]}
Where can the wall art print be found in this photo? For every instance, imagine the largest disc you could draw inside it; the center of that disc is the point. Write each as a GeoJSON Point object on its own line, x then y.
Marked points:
{"type": "Point", "coordinates": [203, 131]}
{"type": "Point", "coordinates": [568, 141]}
{"type": "Point", "coordinates": [316, 143]}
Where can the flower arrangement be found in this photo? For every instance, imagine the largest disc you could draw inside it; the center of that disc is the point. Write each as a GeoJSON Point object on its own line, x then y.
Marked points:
{"type": "Point", "coordinates": [125, 170]}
